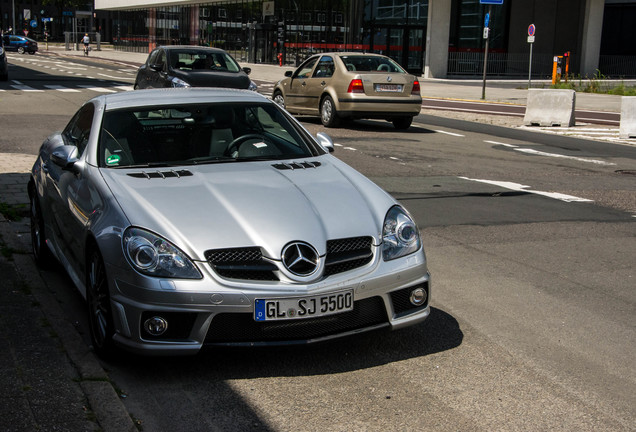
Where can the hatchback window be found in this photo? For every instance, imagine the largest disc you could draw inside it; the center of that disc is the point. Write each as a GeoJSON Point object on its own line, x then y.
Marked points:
{"type": "Point", "coordinates": [198, 134]}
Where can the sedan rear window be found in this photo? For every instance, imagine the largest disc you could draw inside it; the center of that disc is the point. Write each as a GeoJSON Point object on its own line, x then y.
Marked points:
{"type": "Point", "coordinates": [198, 60]}
{"type": "Point", "coordinates": [196, 134]}
{"type": "Point", "coordinates": [362, 63]}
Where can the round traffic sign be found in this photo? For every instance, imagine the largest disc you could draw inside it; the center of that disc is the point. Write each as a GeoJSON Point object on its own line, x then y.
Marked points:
{"type": "Point", "coordinates": [33, 23]}
{"type": "Point", "coordinates": [531, 30]}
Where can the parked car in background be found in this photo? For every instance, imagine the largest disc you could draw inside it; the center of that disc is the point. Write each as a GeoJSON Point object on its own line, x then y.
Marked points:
{"type": "Point", "coordinates": [21, 44]}
{"type": "Point", "coordinates": [336, 86]}
{"type": "Point", "coordinates": [4, 64]}
{"type": "Point", "coordinates": [192, 66]}
{"type": "Point", "coordinates": [211, 217]}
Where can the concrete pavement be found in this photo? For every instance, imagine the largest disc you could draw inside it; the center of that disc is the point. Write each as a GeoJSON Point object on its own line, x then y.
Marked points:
{"type": "Point", "coordinates": [50, 379]}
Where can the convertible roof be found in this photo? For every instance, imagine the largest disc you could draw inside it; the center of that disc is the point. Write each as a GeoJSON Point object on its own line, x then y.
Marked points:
{"type": "Point", "coordinates": [177, 96]}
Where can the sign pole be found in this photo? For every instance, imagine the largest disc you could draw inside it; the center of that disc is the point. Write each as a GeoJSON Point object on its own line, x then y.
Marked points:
{"type": "Point", "coordinates": [531, 30]}
{"type": "Point", "coordinates": [487, 37]}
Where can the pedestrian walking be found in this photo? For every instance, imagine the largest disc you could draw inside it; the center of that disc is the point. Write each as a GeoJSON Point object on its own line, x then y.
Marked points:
{"type": "Point", "coordinates": [87, 44]}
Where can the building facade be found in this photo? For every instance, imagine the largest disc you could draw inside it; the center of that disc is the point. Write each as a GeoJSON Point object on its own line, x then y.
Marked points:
{"type": "Point", "coordinates": [434, 38]}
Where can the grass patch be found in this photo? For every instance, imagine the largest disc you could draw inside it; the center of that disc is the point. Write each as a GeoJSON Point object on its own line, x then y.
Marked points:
{"type": "Point", "coordinates": [598, 84]}
{"type": "Point", "coordinates": [13, 212]}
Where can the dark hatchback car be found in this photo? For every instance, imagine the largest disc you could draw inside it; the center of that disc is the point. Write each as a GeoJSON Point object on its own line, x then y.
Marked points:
{"type": "Point", "coordinates": [192, 66]}
{"type": "Point", "coordinates": [4, 65]}
{"type": "Point", "coordinates": [21, 44]}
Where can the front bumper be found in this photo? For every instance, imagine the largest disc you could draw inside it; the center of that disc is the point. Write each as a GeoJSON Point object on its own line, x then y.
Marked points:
{"type": "Point", "coordinates": [208, 313]}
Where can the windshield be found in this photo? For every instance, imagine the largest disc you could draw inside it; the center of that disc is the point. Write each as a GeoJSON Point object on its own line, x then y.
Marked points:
{"type": "Point", "coordinates": [195, 134]}
{"type": "Point", "coordinates": [201, 60]}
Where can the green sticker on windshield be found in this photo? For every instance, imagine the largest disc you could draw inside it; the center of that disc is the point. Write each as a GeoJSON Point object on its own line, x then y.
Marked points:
{"type": "Point", "coordinates": [113, 159]}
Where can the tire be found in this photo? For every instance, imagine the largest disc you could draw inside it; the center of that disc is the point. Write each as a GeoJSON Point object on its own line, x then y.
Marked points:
{"type": "Point", "coordinates": [279, 99]}
{"type": "Point", "coordinates": [41, 252]}
{"type": "Point", "coordinates": [402, 122]}
{"type": "Point", "coordinates": [31, 52]}
{"type": "Point", "coordinates": [21, 50]}
{"type": "Point", "coordinates": [328, 114]}
{"type": "Point", "coordinates": [100, 317]}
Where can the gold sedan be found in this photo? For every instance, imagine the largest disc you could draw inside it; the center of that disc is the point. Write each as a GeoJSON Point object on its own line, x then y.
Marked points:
{"type": "Point", "coordinates": [336, 86]}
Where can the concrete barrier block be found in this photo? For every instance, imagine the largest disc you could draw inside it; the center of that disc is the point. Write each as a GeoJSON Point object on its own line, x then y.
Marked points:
{"type": "Point", "coordinates": [550, 107]}
{"type": "Point", "coordinates": [628, 117]}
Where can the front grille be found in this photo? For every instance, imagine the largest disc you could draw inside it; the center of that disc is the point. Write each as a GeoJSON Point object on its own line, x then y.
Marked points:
{"type": "Point", "coordinates": [248, 263]}
{"type": "Point", "coordinates": [347, 254]}
{"type": "Point", "coordinates": [401, 300]}
{"type": "Point", "coordinates": [241, 263]}
{"type": "Point", "coordinates": [240, 328]}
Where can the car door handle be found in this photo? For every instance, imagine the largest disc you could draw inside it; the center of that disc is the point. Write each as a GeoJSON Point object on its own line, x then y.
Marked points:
{"type": "Point", "coordinates": [304, 83]}
{"type": "Point", "coordinates": [323, 83]}
{"type": "Point", "coordinates": [45, 167]}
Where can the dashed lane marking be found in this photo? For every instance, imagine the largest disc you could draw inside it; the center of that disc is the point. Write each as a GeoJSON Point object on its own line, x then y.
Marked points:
{"type": "Point", "coordinates": [554, 155]}
{"type": "Point", "coordinates": [524, 188]}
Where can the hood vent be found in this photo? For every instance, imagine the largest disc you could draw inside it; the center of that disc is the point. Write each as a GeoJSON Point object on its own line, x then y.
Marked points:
{"type": "Point", "coordinates": [161, 174]}
{"type": "Point", "coordinates": [296, 165]}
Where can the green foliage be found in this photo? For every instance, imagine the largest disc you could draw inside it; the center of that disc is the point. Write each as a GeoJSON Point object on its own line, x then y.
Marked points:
{"type": "Point", "coordinates": [599, 84]}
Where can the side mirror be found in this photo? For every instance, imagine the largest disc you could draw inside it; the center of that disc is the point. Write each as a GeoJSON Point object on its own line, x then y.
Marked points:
{"type": "Point", "coordinates": [65, 156]}
{"type": "Point", "coordinates": [156, 67]}
{"type": "Point", "coordinates": [247, 70]}
{"type": "Point", "coordinates": [289, 73]}
{"type": "Point", "coordinates": [325, 141]}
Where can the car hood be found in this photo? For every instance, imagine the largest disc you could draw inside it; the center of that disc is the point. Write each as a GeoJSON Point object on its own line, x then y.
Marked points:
{"type": "Point", "coordinates": [251, 204]}
{"type": "Point", "coordinates": [208, 78]}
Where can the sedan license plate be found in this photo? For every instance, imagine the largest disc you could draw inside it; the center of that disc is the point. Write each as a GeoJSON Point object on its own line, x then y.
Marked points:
{"type": "Point", "coordinates": [303, 307]}
{"type": "Point", "coordinates": [395, 88]}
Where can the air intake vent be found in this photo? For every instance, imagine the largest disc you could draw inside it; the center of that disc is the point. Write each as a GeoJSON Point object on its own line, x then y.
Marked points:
{"type": "Point", "coordinates": [296, 165]}
{"type": "Point", "coordinates": [241, 263]}
{"type": "Point", "coordinates": [161, 174]}
{"type": "Point", "coordinates": [347, 254]}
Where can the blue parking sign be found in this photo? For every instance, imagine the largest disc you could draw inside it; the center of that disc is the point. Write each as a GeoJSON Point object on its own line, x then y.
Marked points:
{"type": "Point", "coordinates": [495, 2]}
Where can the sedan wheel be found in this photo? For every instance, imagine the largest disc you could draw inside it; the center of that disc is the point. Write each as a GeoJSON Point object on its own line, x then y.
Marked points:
{"type": "Point", "coordinates": [21, 50]}
{"type": "Point", "coordinates": [99, 309]}
{"type": "Point", "coordinates": [402, 122]}
{"type": "Point", "coordinates": [41, 252]}
{"type": "Point", "coordinates": [279, 99]}
{"type": "Point", "coordinates": [328, 114]}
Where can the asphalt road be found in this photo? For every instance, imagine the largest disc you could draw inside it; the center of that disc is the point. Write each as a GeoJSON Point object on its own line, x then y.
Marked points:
{"type": "Point", "coordinates": [531, 240]}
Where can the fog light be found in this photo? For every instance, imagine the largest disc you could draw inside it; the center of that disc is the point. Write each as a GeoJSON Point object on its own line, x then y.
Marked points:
{"type": "Point", "coordinates": [418, 297]}
{"type": "Point", "coordinates": [156, 325]}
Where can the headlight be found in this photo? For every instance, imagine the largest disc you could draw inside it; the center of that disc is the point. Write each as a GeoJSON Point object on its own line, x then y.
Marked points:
{"type": "Point", "coordinates": [152, 255]}
{"type": "Point", "coordinates": [252, 86]}
{"type": "Point", "coordinates": [178, 82]}
{"type": "Point", "coordinates": [400, 235]}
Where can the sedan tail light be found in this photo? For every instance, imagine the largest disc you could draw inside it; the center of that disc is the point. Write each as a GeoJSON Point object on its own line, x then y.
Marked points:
{"type": "Point", "coordinates": [416, 87]}
{"type": "Point", "coordinates": [356, 86]}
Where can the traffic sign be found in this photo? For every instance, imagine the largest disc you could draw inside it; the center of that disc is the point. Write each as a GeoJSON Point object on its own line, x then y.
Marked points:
{"type": "Point", "coordinates": [531, 30]}
{"type": "Point", "coordinates": [495, 2]}
{"type": "Point", "coordinates": [33, 23]}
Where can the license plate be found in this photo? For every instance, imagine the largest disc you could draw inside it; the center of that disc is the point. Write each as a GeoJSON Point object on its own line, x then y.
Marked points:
{"type": "Point", "coordinates": [388, 87]}
{"type": "Point", "coordinates": [303, 307]}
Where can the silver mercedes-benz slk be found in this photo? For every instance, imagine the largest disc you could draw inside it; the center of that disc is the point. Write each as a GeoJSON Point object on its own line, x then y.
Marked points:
{"type": "Point", "coordinates": [197, 217]}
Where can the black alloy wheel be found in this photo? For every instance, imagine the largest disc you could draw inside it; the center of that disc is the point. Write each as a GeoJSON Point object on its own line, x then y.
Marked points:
{"type": "Point", "coordinates": [100, 317]}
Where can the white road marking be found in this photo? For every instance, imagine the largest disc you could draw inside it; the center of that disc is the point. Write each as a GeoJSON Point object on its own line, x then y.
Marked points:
{"type": "Point", "coordinates": [62, 88]}
{"type": "Point", "coordinates": [450, 133]}
{"type": "Point", "coordinates": [19, 86]}
{"type": "Point", "coordinates": [554, 155]}
{"type": "Point", "coordinates": [98, 89]}
{"type": "Point", "coordinates": [524, 188]}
